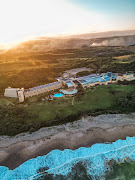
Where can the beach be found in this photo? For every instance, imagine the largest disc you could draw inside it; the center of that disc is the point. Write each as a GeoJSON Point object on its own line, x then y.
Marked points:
{"type": "Point", "coordinates": [82, 133]}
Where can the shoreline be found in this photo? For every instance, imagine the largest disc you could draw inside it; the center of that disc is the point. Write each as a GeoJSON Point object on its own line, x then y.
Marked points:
{"type": "Point", "coordinates": [82, 133]}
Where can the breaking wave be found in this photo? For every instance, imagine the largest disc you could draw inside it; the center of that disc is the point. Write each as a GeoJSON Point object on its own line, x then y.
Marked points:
{"type": "Point", "coordinates": [90, 163]}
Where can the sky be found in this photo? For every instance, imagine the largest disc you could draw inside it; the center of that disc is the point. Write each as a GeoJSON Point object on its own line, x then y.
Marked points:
{"type": "Point", "coordinates": [25, 19]}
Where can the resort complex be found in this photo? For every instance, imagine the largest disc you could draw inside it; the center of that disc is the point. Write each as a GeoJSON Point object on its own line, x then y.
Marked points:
{"type": "Point", "coordinates": [69, 81]}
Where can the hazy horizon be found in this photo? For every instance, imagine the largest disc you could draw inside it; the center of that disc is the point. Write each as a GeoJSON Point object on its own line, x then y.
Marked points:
{"type": "Point", "coordinates": [27, 19]}
{"type": "Point", "coordinates": [6, 46]}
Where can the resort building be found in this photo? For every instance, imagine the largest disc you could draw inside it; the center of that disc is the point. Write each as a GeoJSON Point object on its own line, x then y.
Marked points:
{"type": "Point", "coordinates": [21, 94]}
{"type": "Point", "coordinates": [59, 79]}
{"type": "Point", "coordinates": [11, 92]}
{"type": "Point", "coordinates": [65, 75]}
{"type": "Point", "coordinates": [128, 76]}
{"type": "Point", "coordinates": [70, 82]}
{"type": "Point", "coordinates": [42, 89]}
{"type": "Point", "coordinates": [93, 80]}
{"type": "Point", "coordinates": [15, 93]}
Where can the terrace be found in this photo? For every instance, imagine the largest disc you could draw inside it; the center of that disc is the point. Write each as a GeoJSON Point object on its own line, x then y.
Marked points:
{"type": "Point", "coordinates": [69, 92]}
{"type": "Point", "coordinates": [69, 84]}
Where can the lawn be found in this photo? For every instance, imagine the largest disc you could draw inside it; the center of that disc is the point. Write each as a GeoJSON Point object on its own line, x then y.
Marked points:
{"type": "Point", "coordinates": [36, 113]}
{"type": "Point", "coordinates": [101, 97]}
{"type": "Point", "coordinates": [32, 68]}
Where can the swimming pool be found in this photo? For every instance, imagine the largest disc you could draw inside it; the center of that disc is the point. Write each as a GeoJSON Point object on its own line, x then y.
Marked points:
{"type": "Point", "coordinates": [58, 95]}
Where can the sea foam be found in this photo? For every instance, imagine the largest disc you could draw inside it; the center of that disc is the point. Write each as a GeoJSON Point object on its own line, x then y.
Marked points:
{"type": "Point", "coordinates": [95, 158]}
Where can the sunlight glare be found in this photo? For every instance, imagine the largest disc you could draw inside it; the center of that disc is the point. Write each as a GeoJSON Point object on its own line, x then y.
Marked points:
{"type": "Point", "coordinates": [25, 19]}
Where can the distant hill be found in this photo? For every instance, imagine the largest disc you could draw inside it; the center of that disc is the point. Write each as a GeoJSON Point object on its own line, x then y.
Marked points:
{"type": "Point", "coordinates": [44, 44]}
{"type": "Point", "coordinates": [115, 41]}
{"type": "Point", "coordinates": [103, 34]}
{"type": "Point", "coordinates": [52, 44]}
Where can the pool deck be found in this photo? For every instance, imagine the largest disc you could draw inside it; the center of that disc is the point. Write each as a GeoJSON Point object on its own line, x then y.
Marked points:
{"type": "Point", "coordinates": [67, 92]}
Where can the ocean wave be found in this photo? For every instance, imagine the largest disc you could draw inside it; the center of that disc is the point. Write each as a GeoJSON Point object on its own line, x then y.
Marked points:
{"type": "Point", "coordinates": [95, 160]}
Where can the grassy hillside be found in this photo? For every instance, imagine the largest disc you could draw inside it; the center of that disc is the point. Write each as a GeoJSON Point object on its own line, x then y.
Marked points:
{"type": "Point", "coordinates": [29, 68]}
{"type": "Point", "coordinates": [36, 113]}
{"type": "Point", "coordinates": [25, 67]}
{"type": "Point", "coordinates": [124, 59]}
{"type": "Point", "coordinates": [121, 171]}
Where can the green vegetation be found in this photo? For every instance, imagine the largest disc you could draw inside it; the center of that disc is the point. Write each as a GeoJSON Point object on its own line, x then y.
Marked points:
{"type": "Point", "coordinates": [124, 59]}
{"type": "Point", "coordinates": [78, 172]}
{"type": "Point", "coordinates": [22, 68]}
{"type": "Point", "coordinates": [29, 68]}
{"type": "Point", "coordinates": [36, 113]}
{"type": "Point", "coordinates": [122, 171]}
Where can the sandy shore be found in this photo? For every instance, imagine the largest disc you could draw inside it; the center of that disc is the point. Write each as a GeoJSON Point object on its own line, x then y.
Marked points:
{"type": "Point", "coordinates": [83, 133]}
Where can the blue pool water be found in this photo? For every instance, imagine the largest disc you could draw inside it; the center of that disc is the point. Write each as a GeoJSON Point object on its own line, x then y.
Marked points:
{"type": "Point", "coordinates": [58, 95]}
